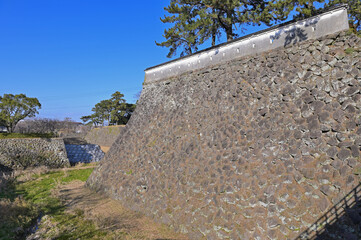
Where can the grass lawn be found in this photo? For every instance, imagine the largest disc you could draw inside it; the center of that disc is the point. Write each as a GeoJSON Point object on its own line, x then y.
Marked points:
{"type": "Point", "coordinates": [25, 199]}
{"type": "Point", "coordinates": [54, 204]}
{"type": "Point", "coordinates": [28, 135]}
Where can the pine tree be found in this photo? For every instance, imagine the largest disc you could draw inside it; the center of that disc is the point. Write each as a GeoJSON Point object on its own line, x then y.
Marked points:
{"type": "Point", "coordinates": [196, 21]}
{"type": "Point", "coordinates": [304, 8]}
{"type": "Point", "coordinates": [208, 25]}
{"type": "Point", "coordinates": [184, 32]}
{"type": "Point", "coordinates": [111, 111]}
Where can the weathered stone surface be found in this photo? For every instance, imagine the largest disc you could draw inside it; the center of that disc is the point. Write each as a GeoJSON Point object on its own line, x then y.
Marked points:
{"type": "Point", "coordinates": [104, 136]}
{"type": "Point", "coordinates": [85, 153]}
{"type": "Point", "coordinates": [33, 152]}
{"type": "Point", "coordinates": [259, 147]}
{"type": "Point", "coordinates": [344, 153]}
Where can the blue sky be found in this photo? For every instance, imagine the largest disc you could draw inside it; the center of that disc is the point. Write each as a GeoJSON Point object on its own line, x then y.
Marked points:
{"type": "Point", "coordinates": [70, 54]}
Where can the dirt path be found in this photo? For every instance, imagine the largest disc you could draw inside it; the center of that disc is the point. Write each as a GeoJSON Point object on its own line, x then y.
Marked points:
{"type": "Point", "coordinates": [110, 215]}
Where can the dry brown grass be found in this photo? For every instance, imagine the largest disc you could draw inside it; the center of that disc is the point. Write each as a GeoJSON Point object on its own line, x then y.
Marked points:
{"type": "Point", "coordinates": [29, 174]}
{"type": "Point", "coordinates": [84, 165]}
{"type": "Point", "coordinates": [4, 179]}
{"type": "Point", "coordinates": [21, 175]}
{"type": "Point", "coordinates": [14, 209]}
{"type": "Point", "coordinates": [110, 215]}
{"type": "Point", "coordinates": [19, 211]}
{"type": "Point", "coordinates": [104, 148]}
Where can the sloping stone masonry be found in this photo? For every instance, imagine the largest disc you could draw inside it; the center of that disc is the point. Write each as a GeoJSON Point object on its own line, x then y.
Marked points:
{"type": "Point", "coordinates": [86, 153]}
{"type": "Point", "coordinates": [104, 136]}
{"type": "Point", "coordinates": [32, 152]}
{"type": "Point", "coordinates": [257, 148]}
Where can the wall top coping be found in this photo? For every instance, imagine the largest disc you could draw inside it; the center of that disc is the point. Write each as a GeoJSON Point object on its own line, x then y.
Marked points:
{"type": "Point", "coordinates": [34, 138]}
{"type": "Point", "coordinates": [329, 21]}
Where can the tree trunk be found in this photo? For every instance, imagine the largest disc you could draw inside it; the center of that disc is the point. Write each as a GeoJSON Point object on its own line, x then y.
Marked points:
{"type": "Point", "coordinates": [214, 30]}
{"type": "Point", "coordinates": [229, 32]}
{"type": "Point", "coordinates": [10, 128]}
{"type": "Point", "coordinates": [229, 29]}
{"type": "Point", "coordinates": [213, 39]}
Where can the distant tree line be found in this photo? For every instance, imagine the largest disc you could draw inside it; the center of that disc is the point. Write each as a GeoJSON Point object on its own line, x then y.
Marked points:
{"type": "Point", "coordinates": [113, 111]}
{"type": "Point", "coordinates": [196, 21]}
{"type": "Point", "coordinates": [17, 114]}
{"type": "Point", "coordinates": [66, 127]}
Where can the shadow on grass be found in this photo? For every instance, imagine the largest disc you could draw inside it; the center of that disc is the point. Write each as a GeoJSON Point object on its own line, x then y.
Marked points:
{"type": "Point", "coordinates": [4, 169]}
{"type": "Point", "coordinates": [19, 215]}
{"type": "Point", "coordinates": [8, 189]}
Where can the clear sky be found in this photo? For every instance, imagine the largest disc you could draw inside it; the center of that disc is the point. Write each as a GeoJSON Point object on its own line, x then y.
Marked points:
{"type": "Point", "coordinates": [70, 54]}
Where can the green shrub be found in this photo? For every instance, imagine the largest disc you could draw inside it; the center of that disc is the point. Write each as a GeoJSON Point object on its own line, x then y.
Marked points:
{"type": "Point", "coordinates": [349, 50]}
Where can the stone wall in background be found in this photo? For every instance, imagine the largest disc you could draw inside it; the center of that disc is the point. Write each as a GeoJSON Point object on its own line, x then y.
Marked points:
{"type": "Point", "coordinates": [85, 153]}
{"type": "Point", "coordinates": [104, 136]}
{"type": "Point", "coordinates": [23, 153]}
{"type": "Point", "coordinates": [256, 148]}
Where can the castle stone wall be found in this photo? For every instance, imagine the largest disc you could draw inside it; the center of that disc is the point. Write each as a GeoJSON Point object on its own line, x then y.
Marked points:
{"type": "Point", "coordinates": [256, 148]}
{"type": "Point", "coordinates": [104, 136]}
{"type": "Point", "coordinates": [329, 22]}
{"type": "Point", "coordinates": [85, 153]}
{"type": "Point", "coordinates": [32, 152]}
